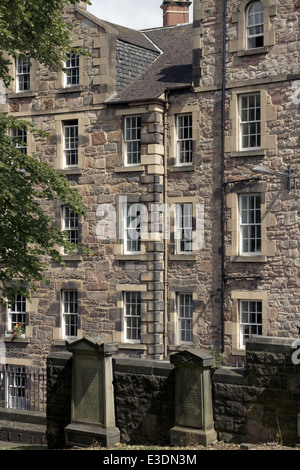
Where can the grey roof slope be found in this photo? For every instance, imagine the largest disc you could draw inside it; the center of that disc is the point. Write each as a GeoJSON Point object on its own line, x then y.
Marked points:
{"type": "Point", "coordinates": [172, 68]}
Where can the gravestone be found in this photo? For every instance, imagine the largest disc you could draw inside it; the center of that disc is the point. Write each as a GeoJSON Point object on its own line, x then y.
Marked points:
{"type": "Point", "coordinates": [193, 399]}
{"type": "Point", "coordinates": [92, 402]}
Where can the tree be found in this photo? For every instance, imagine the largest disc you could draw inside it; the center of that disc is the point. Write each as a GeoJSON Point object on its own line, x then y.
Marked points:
{"type": "Point", "coordinates": [28, 236]}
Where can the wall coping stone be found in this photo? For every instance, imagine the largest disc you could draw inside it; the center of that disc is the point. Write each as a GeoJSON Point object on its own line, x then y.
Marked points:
{"type": "Point", "coordinates": [142, 366]}
{"type": "Point", "coordinates": [231, 375]}
{"type": "Point", "coordinates": [269, 343]}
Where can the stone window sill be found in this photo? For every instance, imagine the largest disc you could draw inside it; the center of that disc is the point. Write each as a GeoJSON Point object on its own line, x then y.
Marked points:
{"type": "Point", "coordinates": [258, 50]}
{"type": "Point", "coordinates": [174, 169]}
{"type": "Point", "coordinates": [126, 169]}
{"type": "Point", "coordinates": [248, 259]}
{"type": "Point", "coordinates": [182, 257]}
{"type": "Point", "coordinates": [71, 171]}
{"type": "Point", "coordinates": [22, 94]}
{"type": "Point", "coordinates": [70, 89]}
{"type": "Point", "coordinates": [249, 153]}
{"type": "Point", "coordinates": [131, 257]}
{"type": "Point", "coordinates": [15, 339]}
{"type": "Point", "coordinates": [136, 346]}
{"type": "Point", "coordinates": [72, 258]}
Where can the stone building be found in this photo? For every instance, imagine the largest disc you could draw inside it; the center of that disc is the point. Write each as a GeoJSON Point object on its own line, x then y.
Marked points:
{"type": "Point", "coordinates": [160, 131]}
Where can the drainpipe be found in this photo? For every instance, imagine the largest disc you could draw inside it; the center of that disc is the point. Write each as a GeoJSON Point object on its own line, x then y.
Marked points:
{"type": "Point", "coordinates": [223, 175]}
{"type": "Point", "coordinates": [165, 228]}
{"type": "Point", "coordinates": [167, 105]}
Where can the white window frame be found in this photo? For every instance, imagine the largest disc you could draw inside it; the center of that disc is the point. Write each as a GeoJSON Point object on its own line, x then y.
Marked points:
{"type": "Point", "coordinates": [72, 66]}
{"type": "Point", "coordinates": [132, 229]}
{"type": "Point", "coordinates": [251, 322]}
{"type": "Point", "coordinates": [132, 316]}
{"type": "Point", "coordinates": [185, 318]}
{"type": "Point", "coordinates": [22, 74]}
{"type": "Point", "coordinates": [184, 228]}
{"type": "Point", "coordinates": [69, 309]}
{"type": "Point", "coordinates": [250, 121]}
{"type": "Point", "coordinates": [16, 387]}
{"type": "Point", "coordinates": [71, 225]}
{"type": "Point", "coordinates": [250, 224]}
{"type": "Point", "coordinates": [19, 137]}
{"type": "Point", "coordinates": [17, 313]}
{"type": "Point", "coordinates": [184, 130]}
{"type": "Point", "coordinates": [254, 24]}
{"type": "Point", "coordinates": [70, 144]}
{"type": "Point", "coordinates": [132, 140]}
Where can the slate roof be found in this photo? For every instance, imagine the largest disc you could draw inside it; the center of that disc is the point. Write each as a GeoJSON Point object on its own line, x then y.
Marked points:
{"type": "Point", "coordinates": [173, 68]}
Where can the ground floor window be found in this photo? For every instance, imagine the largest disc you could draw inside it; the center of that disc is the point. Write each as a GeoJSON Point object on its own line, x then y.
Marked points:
{"type": "Point", "coordinates": [132, 317]}
{"type": "Point", "coordinates": [250, 319]}
{"type": "Point", "coordinates": [70, 313]}
{"type": "Point", "coordinates": [16, 388]}
{"type": "Point", "coordinates": [185, 318]}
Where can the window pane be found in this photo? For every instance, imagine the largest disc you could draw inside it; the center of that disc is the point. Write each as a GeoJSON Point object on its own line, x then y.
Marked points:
{"type": "Point", "coordinates": [250, 224]}
{"type": "Point", "coordinates": [250, 319]}
{"type": "Point", "coordinates": [184, 139]}
{"type": "Point", "coordinates": [133, 140]}
{"type": "Point", "coordinates": [185, 318]}
{"type": "Point", "coordinates": [132, 316]}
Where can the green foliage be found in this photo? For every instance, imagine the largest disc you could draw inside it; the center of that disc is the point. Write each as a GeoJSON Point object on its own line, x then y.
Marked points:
{"type": "Point", "coordinates": [220, 358]}
{"type": "Point", "coordinates": [28, 235]}
{"type": "Point", "coordinates": [27, 232]}
{"type": "Point", "coordinates": [34, 27]}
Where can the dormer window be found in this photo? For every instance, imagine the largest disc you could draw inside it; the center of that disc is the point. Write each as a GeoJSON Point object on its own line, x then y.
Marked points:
{"type": "Point", "coordinates": [255, 25]}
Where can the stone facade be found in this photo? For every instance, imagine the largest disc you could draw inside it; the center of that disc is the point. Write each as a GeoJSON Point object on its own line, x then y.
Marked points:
{"type": "Point", "coordinates": [211, 283]}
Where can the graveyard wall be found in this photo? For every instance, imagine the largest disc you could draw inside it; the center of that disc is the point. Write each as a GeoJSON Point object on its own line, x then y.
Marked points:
{"type": "Point", "coordinates": [258, 403]}
{"type": "Point", "coordinates": [261, 402]}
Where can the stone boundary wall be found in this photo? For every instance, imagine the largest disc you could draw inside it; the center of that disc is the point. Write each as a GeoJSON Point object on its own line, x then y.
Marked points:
{"type": "Point", "coordinates": [261, 402]}
{"type": "Point", "coordinates": [258, 403]}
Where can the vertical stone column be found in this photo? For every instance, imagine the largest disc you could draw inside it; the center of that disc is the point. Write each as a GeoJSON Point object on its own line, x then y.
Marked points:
{"type": "Point", "coordinates": [92, 408]}
{"type": "Point", "coordinates": [153, 160]}
{"type": "Point", "coordinates": [193, 398]}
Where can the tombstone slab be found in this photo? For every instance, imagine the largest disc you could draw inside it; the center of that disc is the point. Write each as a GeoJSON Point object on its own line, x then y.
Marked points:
{"type": "Point", "coordinates": [193, 399]}
{"type": "Point", "coordinates": [92, 402]}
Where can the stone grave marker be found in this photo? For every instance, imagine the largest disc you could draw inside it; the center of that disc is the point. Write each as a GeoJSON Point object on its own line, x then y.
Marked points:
{"type": "Point", "coordinates": [193, 398]}
{"type": "Point", "coordinates": [92, 402]}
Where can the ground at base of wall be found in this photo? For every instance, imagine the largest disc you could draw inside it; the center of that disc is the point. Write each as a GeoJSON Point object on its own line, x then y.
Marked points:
{"type": "Point", "coordinates": [215, 446]}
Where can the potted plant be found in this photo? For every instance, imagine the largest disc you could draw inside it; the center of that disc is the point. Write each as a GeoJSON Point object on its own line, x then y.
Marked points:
{"type": "Point", "coordinates": [18, 329]}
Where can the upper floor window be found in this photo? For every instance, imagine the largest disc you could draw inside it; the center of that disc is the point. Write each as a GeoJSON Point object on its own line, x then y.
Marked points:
{"type": "Point", "coordinates": [19, 138]}
{"type": "Point", "coordinates": [17, 315]}
{"type": "Point", "coordinates": [184, 139]}
{"type": "Point", "coordinates": [70, 135]}
{"type": "Point", "coordinates": [250, 224]}
{"type": "Point", "coordinates": [23, 74]}
{"type": "Point", "coordinates": [70, 222]}
{"type": "Point", "coordinates": [132, 317]}
{"type": "Point", "coordinates": [69, 313]}
{"type": "Point", "coordinates": [184, 215]}
{"type": "Point", "coordinates": [255, 25]}
{"type": "Point", "coordinates": [250, 121]}
{"type": "Point", "coordinates": [72, 69]}
{"type": "Point", "coordinates": [132, 226]}
{"type": "Point", "coordinates": [132, 140]}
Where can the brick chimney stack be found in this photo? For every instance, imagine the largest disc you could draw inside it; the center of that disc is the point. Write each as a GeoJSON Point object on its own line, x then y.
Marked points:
{"type": "Point", "coordinates": [175, 12]}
